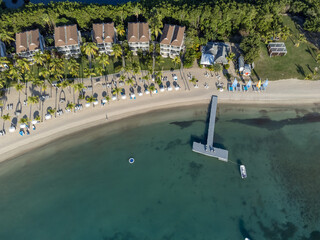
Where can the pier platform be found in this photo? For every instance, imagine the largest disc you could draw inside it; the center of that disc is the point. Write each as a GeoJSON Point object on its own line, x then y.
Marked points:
{"type": "Point", "coordinates": [208, 149]}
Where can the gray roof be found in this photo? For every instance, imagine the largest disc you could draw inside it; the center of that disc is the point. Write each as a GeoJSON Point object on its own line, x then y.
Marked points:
{"type": "Point", "coordinates": [214, 52]}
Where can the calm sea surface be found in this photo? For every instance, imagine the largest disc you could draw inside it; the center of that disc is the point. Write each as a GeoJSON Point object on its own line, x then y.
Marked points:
{"type": "Point", "coordinates": [82, 186]}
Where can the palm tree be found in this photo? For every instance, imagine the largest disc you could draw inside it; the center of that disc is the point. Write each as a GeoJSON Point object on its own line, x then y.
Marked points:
{"type": "Point", "coordinates": [39, 58]}
{"type": "Point", "coordinates": [120, 29]}
{"type": "Point", "coordinates": [176, 60]}
{"type": "Point", "coordinates": [193, 80]}
{"type": "Point", "coordinates": [103, 59]}
{"type": "Point", "coordinates": [32, 100]}
{"type": "Point", "coordinates": [70, 106]}
{"type": "Point", "coordinates": [37, 118]}
{"type": "Point", "coordinates": [130, 82]}
{"type": "Point", "coordinates": [155, 22]}
{"type": "Point", "coordinates": [116, 51]}
{"type": "Point", "coordinates": [318, 58]}
{"type": "Point", "coordinates": [91, 99]}
{"type": "Point", "coordinates": [137, 10]}
{"type": "Point", "coordinates": [51, 111]}
{"type": "Point", "coordinates": [90, 49]}
{"type": "Point", "coordinates": [73, 67]}
{"type": "Point", "coordinates": [89, 73]}
{"type": "Point", "coordinates": [122, 77]}
{"type": "Point", "coordinates": [107, 98]}
{"type": "Point", "coordinates": [230, 57]}
{"type": "Point", "coordinates": [19, 88]}
{"type": "Point", "coordinates": [151, 88]}
{"type": "Point", "coordinates": [6, 36]}
{"type": "Point", "coordinates": [301, 39]}
{"type": "Point", "coordinates": [5, 118]}
{"type": "Point", "coordinates": [24, 120]}
{"type": "Point", "coordinates": [77, 88]}
{"type": "Point", "coordinates": [117, 91]}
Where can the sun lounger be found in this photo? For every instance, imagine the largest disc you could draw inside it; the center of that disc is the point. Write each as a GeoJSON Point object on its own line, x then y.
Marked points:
{"type": "Point", "coordinates": [21, 132]}
{"type": "Point", "coordinates": [230, 87]}
{"type": "Point", "coordinates": [238, 87]}
{"type": "Point", "coordinates": [244, 88]}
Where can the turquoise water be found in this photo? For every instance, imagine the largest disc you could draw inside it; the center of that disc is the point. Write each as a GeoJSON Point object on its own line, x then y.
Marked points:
{"type": "Point", "coordinates": [82, 186]}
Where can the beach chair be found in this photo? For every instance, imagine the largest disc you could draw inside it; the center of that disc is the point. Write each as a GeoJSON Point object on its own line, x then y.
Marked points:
{"type": "Point", "coordinates": [264, 85]}
{"type": "Point", "coordinates": [230, 87]}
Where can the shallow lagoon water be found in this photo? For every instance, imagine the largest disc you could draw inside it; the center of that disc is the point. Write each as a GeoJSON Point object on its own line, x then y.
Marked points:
{"type": "Point", "coordinates": [83, 187]}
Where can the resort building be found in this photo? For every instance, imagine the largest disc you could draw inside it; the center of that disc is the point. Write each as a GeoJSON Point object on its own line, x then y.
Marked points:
{"type": "Point", "coordinates": [28, 43]}
{"type": "Point", "coordinates": [214, 52]}
{"type": "Point", "coordinates": [104, 35]}
{"type": "Point", "coordinates": [138, 36]}
{"type": "Point", "coordinates": [172, 40]}
{"type": "Point", "coordinates": [277, 49]}
{"type": "Point", "coordinates": [244, 69]}
{"type": "Point", "coordinates": [67, 40]}
{"type": "Point", "coordinates": [3, 52]}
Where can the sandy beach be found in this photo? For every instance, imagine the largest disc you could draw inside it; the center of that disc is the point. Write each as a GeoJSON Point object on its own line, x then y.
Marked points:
{"type": "Point", "coordinates": [282, 92]}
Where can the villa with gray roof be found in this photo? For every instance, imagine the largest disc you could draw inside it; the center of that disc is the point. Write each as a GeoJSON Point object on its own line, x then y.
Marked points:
{"type": "Point", "coordinates": [67, 40]}
{"type": "Point", "coordinates": [104, 35]}
{"type": "Point", "coordinates": [214, 52]}
{"type": "Point", "coordinates": [138, 36]}
{"type": "Point", "coordinates": [172, 40]}
{"type": "Point", "coordinates": [28, 43]}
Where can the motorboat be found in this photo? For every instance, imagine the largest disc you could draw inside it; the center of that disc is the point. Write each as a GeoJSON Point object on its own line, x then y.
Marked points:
{"type": "Point", "coordinates": [243, 171]}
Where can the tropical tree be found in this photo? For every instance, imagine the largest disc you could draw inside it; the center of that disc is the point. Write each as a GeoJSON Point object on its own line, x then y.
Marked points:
{"type": "Point", "coordinates": [151, 88]}
{"type": "Point", "coordinates": [117, 91]}
{"type": "Point", "coordinates": [90, 49]}
{"type": "Point", "coordinates": [70, 106]}
{"type": "Point", "coordinates": [155, 22]}
{"type": "Point", "coordinates": [103, 59]}
{"type": "Point", "coordinates": [107, 98]}
{"type": "Point", "coordinates": [120, 29]}
{"type": "Point", "coordinates": [78, 88]}
{"type": "Point", "coordinates": [24, 120]}
{"type": "Point", "coordinates": [73, 67]}
{"type": "Point", "coordinates": [19, 88]}
{"type": "Point", "coordinates": [318, 58]}
{"type": "Point", "coordinates": [230, 57]}
{"type": "Point", "coordinates": [130, 82]}
{"type": "Point", "coordinates": [32, 100]}
{"type": "Point", "coordinates": [116, 51]}
{"type": "Point", "coordinates": [6, 35]}
{"type": "Point", "coordinates": [176, 60]}
{"type": "Point", "coordinates": [37, 118]}
{"type": "Point", "coordinates": [5, 118]}
{"type": "Point", "coordinates": [51, 111]}
{"type": "Point", "coordinates": [137, 10]}
{"type": "Point", "coordinates": [301, 39]}
{"type": "Point", "coordinates": [193, 80]}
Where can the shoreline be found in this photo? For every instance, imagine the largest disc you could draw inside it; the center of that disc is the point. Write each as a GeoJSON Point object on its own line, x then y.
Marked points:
{"type": "Point", "coordinates": [279, 93]}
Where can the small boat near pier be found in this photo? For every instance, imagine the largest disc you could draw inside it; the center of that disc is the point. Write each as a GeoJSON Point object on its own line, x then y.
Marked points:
{"type": "Point", "coordinates": [243, 171]}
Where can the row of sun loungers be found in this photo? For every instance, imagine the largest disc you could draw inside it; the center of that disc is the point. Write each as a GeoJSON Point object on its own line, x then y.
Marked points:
{"type": "Point", "coordinates": [236, 86]}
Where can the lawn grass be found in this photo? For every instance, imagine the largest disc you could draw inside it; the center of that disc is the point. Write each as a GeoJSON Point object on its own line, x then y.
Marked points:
{"type": "Point", "coordinates": [298, 63]}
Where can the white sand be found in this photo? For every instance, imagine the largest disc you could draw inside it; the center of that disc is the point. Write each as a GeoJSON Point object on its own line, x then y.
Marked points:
{"type": "Point", "coordinates": [283, 92]}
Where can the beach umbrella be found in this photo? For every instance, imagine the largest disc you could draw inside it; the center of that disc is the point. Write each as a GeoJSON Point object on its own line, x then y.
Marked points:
{"type": "Point", "coordinates": [266, 83]}
{"type": "Point", "coordinates": [95, 102]}
{"type": "Point", "coordinates": [34, 122]}
{"type": "Point", "coordinates": [47, 116]}
{"type": "Point", "coordinates": [259, 84]}
{"type": "Point", "coordinates": [12, 129]}
{"type": "Point", "coordinates": [249, 84]}
{"type": "Point", "coordinates": [87, 104]}
{"type": "Point", "coordinates": [23, 125]}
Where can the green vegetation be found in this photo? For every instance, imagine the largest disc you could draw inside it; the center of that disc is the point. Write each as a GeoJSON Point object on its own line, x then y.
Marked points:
{"type": "Point", "coordinates": [298, 63]}
{"type": "Point", "coordinates": [250, 22]}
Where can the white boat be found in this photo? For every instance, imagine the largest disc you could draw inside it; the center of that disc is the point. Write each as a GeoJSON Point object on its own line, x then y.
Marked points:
{"type": "Point", "coordinates": [243, 171]}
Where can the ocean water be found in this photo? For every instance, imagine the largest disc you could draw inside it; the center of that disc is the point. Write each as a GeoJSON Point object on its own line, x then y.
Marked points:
{"type": "Point", "coordinates": [82, 186]}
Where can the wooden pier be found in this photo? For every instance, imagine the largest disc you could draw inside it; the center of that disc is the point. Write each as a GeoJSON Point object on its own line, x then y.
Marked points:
{"type": "Point", "coordinates": [208, 149]}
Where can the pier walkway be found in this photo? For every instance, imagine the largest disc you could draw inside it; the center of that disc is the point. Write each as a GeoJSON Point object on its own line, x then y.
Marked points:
{"type": "Point", "coordinates": [208, 149]}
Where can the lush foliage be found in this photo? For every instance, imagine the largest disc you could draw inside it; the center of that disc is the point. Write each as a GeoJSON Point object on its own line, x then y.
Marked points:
{"type": "Point", "coordinates": [250, 45]}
